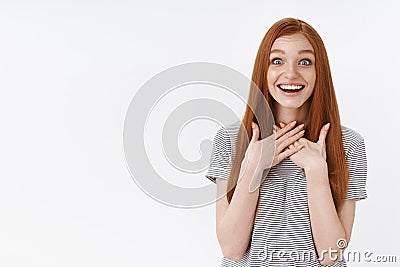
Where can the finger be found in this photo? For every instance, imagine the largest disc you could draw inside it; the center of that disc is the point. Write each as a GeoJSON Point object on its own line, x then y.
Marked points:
{"type": "Point", "coordinates": [289, 152]}
{"type": "Point", "coordinates": [291, 146]}
{"type": "Point", "coordinates": [302, 141]}
{"type": "Point", "coordinates": [275, 129]}
{"type": "Point", "coordinates": [291, 133]}
{"type": "Point", "coordinates": [255, 133]}
{"type": "Point", "coordinates": [286, 141]}
{"type": "Point", "coordinates": [285, 129]}
{"type": "Point", "coordinates": [323, 133]}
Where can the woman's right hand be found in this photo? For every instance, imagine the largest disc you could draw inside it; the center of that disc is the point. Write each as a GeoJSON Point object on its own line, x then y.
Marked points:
{"type": "Point", "coordinates": [270, 151]}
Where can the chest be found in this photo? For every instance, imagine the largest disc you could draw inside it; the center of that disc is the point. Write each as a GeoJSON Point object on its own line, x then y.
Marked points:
{"type": "Point", "coordinates": [284, 191]}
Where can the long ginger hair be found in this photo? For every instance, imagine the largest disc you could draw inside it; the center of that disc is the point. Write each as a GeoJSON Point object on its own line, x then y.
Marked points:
{"type": "Point", "coordinates": [323, 108]}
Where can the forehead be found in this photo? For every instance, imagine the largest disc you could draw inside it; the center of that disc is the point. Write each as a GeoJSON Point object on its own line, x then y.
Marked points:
{"type": "Point", "coordinates": [294, 41]}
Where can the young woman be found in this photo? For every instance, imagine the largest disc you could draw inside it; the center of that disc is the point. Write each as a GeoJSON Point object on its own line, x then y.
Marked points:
{"type": "Point", "coordinates": [302, 212]}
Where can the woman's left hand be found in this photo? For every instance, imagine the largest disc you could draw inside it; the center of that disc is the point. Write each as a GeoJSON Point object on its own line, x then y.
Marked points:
{"type": "Point", "coordinates": [311, 153]}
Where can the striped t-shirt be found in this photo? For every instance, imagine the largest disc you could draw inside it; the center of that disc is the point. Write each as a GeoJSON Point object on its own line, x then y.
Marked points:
{"type": "Point", "coordinates": [281, 233]}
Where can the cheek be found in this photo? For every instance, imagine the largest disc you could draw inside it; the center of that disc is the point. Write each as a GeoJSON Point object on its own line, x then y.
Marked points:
{"type": "Point", "coordinates": [310, 77]}
{"type": "Point", "coordinates": [271, 76]}
{"type": "Point", "coordinates": [313, 82]}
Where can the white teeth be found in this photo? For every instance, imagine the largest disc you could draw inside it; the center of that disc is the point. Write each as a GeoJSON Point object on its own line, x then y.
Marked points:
{"type": "Point", "coordinates": [290, 87]}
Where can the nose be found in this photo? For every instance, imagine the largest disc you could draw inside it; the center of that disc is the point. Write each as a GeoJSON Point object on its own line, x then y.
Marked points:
{"type": "Point", "coordinates": [291, 71]}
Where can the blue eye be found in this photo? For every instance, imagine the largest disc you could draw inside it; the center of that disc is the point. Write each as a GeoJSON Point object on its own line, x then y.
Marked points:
{"type": "Point", "coordinates": [305, 62]}
{"type": "Point", "coordinates": [276, 61]}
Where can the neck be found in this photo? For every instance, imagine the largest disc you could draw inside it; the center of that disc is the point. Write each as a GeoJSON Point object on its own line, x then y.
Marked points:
{"type": "Point", "coordinates": [287, 115]}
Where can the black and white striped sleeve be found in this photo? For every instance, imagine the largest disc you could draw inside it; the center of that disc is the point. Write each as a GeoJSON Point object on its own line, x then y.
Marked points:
{"type": "Point", "coordinates": [220, 160]}
{"type": "Point", "coordinates": [357, 163]}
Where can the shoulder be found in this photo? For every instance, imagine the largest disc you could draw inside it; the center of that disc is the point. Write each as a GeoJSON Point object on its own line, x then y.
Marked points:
{"type": "Point", "coordinates": [229, 132]}
{"type": "Point", "coordinates": [356, 158]}
{"type": "Point", "coordinates": [227, 136]}
{"type": "Point", "coordinates": [351, 139]}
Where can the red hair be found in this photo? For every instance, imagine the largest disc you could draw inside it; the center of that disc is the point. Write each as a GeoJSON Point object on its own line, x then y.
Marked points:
{"type": "Point", "coordinates": [323, 108]}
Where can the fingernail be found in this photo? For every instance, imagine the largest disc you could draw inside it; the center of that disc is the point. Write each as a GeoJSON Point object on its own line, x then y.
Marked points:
{"type": "Point", "coordinates": [293, 123]}
{"type": "Point", "coordinates": [327, 126]}
{"type": "Point", "coordinates": [302, 132]}
{"type": "Point", "coordinates": [301, 126]}
{"type": "Point", "coordinates": [281, 124]}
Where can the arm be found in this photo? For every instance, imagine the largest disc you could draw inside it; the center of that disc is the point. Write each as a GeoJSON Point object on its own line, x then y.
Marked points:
{"type": "Point", "coordinates": [235, 220]}
{"type": "Point", "coordinates": [328, 225]}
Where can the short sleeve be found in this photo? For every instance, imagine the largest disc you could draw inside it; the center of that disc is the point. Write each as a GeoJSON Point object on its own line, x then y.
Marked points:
{"type": "Point", "coordinates": [357, 163]}
{"type": "Point", "coordinates": [220, 160]}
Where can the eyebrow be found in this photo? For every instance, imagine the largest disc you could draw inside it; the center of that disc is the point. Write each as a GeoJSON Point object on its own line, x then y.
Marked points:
{"type": "Point", "coordinates": [300, 52]}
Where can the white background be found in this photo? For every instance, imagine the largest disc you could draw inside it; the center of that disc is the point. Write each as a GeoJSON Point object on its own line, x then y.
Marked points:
{"type": "Point", "coordinates": [68, 71]}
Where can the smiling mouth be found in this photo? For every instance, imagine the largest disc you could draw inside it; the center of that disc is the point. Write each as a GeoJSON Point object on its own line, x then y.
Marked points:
{"type": "Point", "coordinates": [291, 88]}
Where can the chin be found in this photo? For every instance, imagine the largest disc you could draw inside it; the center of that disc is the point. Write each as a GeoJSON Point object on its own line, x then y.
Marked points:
{"type": "Point", "coordinates": [291, 104]}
